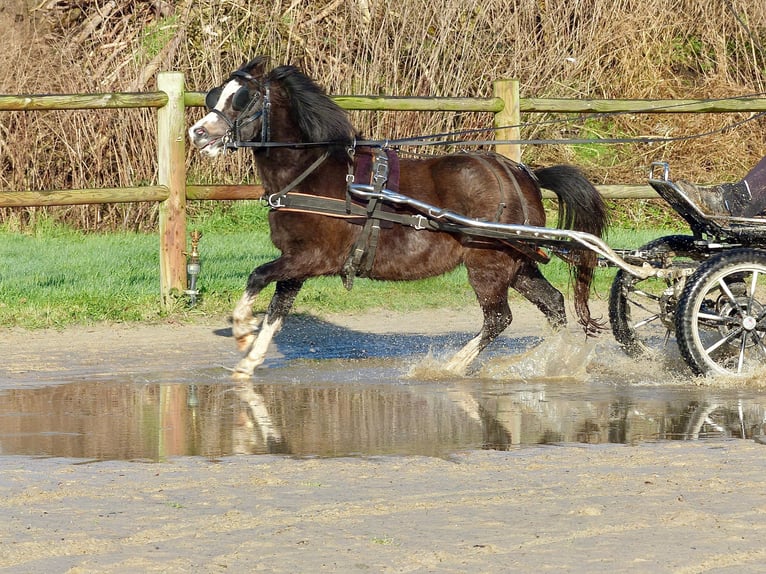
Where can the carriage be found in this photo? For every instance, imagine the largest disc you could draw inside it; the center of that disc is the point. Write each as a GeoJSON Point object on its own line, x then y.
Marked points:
{"type": "Point", "coordinates": [707, 289]}
{"type": "Point", "coordinates": [412, 218]}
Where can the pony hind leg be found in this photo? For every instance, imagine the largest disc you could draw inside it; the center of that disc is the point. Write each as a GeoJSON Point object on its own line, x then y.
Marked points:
{"type": "Point", "coordinates": [279, 307]}
{"type": "Point", "coordinates": [497, 317]}
{"type": "Point", "coordinates": [490, 282]}
{"type": "Point", "coordinates": [531, 283]}
{"type": "Point", "coordinates": [491, 287]}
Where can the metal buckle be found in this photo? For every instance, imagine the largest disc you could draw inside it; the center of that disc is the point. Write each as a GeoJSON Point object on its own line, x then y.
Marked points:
{"type": "Point", "coordinates": [659, 165]}
{"type": "Point", "coordinates": [419, 226]}
{"type": "Point", "coordinates": [380, 169]}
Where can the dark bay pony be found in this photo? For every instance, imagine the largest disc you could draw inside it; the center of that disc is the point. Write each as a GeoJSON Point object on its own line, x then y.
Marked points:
{"type": "Point", "coordinates": [285, 110]}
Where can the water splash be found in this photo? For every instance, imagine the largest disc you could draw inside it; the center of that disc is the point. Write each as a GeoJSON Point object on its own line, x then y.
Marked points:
{"type": "Point", "coordinates": [756, 379]}
{"type": "Point", "coordinates": [564, 355]}
{"type": "Point", "coordinates": [569, 356]}
{"type": "Point", "coordinates": [431, 367]}
{"type": "Point", "coordinates": [665, 368]}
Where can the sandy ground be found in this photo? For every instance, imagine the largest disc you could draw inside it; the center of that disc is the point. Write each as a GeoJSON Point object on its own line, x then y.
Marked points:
{"type": "Point", "coordinates": [666, 507]}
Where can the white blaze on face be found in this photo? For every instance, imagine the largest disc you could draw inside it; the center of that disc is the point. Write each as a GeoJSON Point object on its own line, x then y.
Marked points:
{"type": "Point", "coordinates": [206, 135]}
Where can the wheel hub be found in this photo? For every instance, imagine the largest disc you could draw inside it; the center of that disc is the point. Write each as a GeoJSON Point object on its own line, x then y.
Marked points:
{"type": "Point", "coordinates": [737, 311]}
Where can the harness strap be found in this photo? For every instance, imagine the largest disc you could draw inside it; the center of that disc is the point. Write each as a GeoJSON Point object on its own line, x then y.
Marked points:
{"type": "Point", "coordinates": [360, 260]}
{"type": "Point", "coordinates": [516, 187]}
{"type": "Point", "coordinates": [536, 254]}
{"type": "Point", "coordinates": [504, 164]}
{"type": "Point", "coordinates": [500, 183]}
{"type": "Point", "coordinates": [276, 199]}
{"type": "Point", "coordinates": [353, 212]}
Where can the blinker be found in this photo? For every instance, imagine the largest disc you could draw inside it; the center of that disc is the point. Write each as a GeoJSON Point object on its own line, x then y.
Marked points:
{"type": "Point", "coordinates": [238, 103]}
{"type": "Point", "coordinates": [212, 97]}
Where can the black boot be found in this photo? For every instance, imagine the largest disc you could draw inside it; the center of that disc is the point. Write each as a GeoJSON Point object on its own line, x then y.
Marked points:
{"type": "Point", "coordinates": [737, 198]}
{"type": "Point", "coordinates": [725, 199]}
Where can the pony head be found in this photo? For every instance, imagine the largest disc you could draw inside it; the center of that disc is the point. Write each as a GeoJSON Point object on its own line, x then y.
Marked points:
{"type": "Point", "coordinates": [237, 111]}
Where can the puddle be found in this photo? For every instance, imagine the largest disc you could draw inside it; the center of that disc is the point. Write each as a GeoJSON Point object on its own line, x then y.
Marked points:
{"type": "Point", "coordinates": [374, 406]}
{"type": "Point", "coordinates": [328, 391]}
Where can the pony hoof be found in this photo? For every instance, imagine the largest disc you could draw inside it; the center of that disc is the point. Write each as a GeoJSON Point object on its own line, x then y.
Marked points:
{"type": "Point", "coordinates": [244, 369]}
{"type": "Point", "coordinates": [238, 375]}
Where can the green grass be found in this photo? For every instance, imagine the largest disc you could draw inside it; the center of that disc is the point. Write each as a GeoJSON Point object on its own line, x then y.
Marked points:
{"type": "Point", "coordinates": [53, 276]}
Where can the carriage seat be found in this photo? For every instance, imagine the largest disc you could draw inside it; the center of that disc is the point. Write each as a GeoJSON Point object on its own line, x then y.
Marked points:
{"type": "Point", "coordinates": [725, 227]}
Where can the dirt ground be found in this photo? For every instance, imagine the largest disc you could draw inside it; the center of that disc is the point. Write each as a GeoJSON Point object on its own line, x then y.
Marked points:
{"type": "Point", "coordinates": [679, 507]}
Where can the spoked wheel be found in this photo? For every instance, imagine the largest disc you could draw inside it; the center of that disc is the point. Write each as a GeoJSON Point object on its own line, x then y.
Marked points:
{"type": "Point", "coordinates": [721, 316]}
{"type": "Point", "coordinates": [642, 311]}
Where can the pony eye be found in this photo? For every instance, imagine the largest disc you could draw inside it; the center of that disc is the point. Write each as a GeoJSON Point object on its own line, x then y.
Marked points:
{"type": "Point", "coordinates": [240, 100]}
{"type": "Point", "coordinates": [212, 97]}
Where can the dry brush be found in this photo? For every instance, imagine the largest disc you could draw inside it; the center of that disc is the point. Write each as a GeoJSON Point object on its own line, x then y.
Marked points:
{"type": "Point", "coordinates": [557, 48]}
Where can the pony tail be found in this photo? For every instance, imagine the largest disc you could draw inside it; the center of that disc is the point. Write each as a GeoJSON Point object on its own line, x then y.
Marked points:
{"type": "Point", "coordinates": [581, 208]}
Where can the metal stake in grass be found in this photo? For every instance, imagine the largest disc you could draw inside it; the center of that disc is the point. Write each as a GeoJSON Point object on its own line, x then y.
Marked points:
{"type": "Point", "coordinates": [193, 268]}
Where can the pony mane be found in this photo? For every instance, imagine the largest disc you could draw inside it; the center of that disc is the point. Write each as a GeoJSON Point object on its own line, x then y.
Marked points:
{"type": "Point", "coordinates": [318, 117]}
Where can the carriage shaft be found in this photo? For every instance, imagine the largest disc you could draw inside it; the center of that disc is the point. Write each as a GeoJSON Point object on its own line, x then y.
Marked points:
{"type": "Point", "coordinates": [456, 223]}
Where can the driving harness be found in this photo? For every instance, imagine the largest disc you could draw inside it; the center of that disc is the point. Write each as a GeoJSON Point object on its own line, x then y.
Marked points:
{"type": "Point", "coordinates": [377, 169]}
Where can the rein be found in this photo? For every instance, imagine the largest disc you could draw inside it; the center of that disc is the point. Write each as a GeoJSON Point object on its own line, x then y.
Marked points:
{"type": "Point", "coordinates": [233, 140]}
{"type": "Point", "coordinates": [446, 138]}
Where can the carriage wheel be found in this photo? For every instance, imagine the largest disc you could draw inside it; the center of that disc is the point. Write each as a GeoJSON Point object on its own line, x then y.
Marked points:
{"type": "Point", "coordinates": [721, 317]}
{"type": "Point", "coordinates": [641, 311]}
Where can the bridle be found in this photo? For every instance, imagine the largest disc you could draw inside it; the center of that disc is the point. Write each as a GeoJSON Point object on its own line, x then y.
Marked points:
{"type": "Point", "coordinates": [244, 101]}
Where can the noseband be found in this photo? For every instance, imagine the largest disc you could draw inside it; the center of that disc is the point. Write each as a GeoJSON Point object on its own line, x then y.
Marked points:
{"type": "Point", "coordinates": [232, 139]}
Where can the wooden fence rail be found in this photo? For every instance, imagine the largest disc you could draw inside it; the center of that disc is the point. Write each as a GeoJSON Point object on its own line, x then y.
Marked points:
{"type": "Point", "coordinates": [172, 191]}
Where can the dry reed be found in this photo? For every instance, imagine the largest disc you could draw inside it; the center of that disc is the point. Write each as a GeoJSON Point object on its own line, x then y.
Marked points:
{"type": "Point", "coordinates": [557, 48]}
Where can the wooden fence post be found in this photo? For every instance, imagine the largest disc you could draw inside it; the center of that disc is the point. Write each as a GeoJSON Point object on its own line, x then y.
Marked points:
{"type": "Point", "coordinates": [171, 155]}
{"type": "Point", "coordinates": [508, 119]}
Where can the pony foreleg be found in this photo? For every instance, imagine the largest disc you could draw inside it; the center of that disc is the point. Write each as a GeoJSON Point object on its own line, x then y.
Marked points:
{"type": "Point", "coordinates": [257, 352]}
{"type": "Point", "coordinates": [280, 305]}
{"type": "Point", "coordinates": [243, 324]}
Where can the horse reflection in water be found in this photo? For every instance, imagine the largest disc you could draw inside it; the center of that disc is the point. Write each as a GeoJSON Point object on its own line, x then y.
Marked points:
{"type": "Point", "coordinates": [254, 430]}
{"type": "Point", "coordinates": [115, 420]}
{"type": "Point", "coordinates": [370, 422]}
{"type": "Point", "coordinates": [305, 146]}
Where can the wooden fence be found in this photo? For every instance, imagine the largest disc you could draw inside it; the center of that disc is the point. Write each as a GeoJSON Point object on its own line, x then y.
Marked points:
{"type": "Point", "coordinates": [172, 190]}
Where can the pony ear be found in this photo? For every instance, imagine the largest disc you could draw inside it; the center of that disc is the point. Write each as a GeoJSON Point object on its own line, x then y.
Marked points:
{"type": "Point", "coordinates": [255, 67]}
